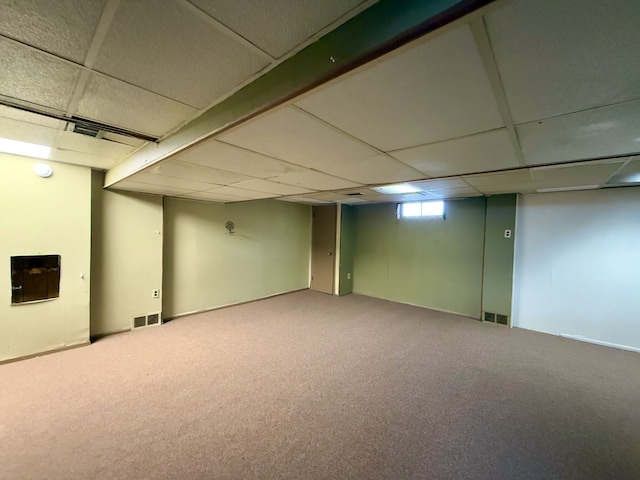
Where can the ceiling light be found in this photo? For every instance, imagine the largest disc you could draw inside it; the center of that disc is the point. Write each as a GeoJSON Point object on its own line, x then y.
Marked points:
{"type": "Point", "coordinates": [397, 189]}
{"type": "Point", "coordinates": [23, 148]}
{"type": "Point", "coordinates": [42, 170]}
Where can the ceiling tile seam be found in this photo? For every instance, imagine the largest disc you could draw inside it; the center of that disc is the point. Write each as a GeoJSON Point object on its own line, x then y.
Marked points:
{"type": "Point", "coordinates": [316, 171]}
{"type": "Point", "coordinates": [229, 32]}
{"type": "Point", "coordinates": [437, 142]}
{"type": "Point", "coordinates": [104, 24]}
{"type": "Point", "coordinates": [487, 55]}
{"type": "Point", "coordinates": [50, 55]}
{"type": "Point", "coordinates": [354, 138]}
{"type": "Point", "coordinates": [585, 110]}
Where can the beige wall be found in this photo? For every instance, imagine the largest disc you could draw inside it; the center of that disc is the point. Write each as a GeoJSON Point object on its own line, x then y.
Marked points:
{"type": "Point", "coordinates": [126, 257]}
{"type": "Point", "coordinates": [45, 216]}
{"type": "Point", "coordinates": [206, 267]}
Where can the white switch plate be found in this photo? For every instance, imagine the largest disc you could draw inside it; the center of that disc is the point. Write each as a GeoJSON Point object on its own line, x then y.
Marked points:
{"type": "Point", "coordinates": [348, 276]}
{"type": "Point", "coordinates": [507, 234]}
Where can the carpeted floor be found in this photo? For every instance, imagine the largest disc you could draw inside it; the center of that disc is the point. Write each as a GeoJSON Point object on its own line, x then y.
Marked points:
{"type": "Point", "coordinates": [308, 386]}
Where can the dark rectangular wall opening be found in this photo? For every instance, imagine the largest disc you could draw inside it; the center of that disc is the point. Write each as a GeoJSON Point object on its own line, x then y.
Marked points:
{"type": "Point", "coordinates": [34, 277]}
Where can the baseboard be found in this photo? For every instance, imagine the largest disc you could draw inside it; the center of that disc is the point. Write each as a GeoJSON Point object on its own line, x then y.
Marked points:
{"type": "Point", "coordinates": [420, 306]}
{"type": "Point", "coordinates": [600, 342]}
{"type": "Point", "coordinates": [227, 305]}
{"type": "Point", "coordinates": [46, 352]}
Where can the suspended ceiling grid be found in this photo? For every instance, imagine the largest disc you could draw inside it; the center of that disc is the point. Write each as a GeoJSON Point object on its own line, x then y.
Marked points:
{"type": "Point", "coordinates": [518, 89]}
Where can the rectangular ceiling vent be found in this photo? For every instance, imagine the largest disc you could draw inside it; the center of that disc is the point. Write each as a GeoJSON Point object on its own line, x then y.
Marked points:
{"type": "Point", "coordinates": [354, 194]}
{"type": "Point", "coordinates": [495, 318]}
{"type": "Point", "coordinates": [89, 131]}
{"type": "Point", "coordinates": [149, 320]}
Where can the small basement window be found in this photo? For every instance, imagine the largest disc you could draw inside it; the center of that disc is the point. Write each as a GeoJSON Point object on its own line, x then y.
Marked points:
{"type": "Point", "coordinates": [34, 278]}
{"type": "Point", "coordinates": [432, 209]}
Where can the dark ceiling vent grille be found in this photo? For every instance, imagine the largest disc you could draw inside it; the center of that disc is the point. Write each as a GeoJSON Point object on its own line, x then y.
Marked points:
{"type": "Point", "coordinates": [354, 194]}
{"type": "Point", "coordinates": [86, 130]}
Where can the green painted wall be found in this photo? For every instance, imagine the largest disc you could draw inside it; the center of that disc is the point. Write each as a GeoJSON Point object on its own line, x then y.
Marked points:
{"type": "Point", "coordinates": [432, 263]}
{"type": "Point", "coordinates": [498, 254]}
{"type": "Point", "coordinates": [347, 248]}
{"type": "Point", "coordinates": [206, 267]}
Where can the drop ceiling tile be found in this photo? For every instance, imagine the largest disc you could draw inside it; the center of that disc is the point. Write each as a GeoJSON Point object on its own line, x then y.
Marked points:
{"type": "Point", "coordinates": [516, 177]}
{"type": "Point", "coordinates": [168, 48]}
{"type": "Point", "coordinates": [477, 153]}
{"type": "Point", "coordinates": [297, 199]}
{"type": "Point", "coordinates": [560, 57]}
{"type": "Point", "coordinates": [455, 192]}
{"type": "Point", "coordinates": [440, 183]}
{"type": "Point", "coordinates": [407, 197]}
{"type": "Point", "coordinates": [294, 136]}
{"type": "Point", "coordinates": [328, 196]}
{"type": "Point", "coordinates": [35, 77]}
{"type": "Point", "coordinates": [27, 132]}
{"type": "Point", "coordinates": [574, 175]}
{"type": "Point", "coordinates": [198, 173]}
{"type": "Point", "coordinates": [240, 192]}
{"type": "Point", "coordinates": [212, 153]}
{"type": "Point", "coordinates": [603, 132]}
{"type": "Point", "coordinates": [85, 159]}
{"type": "Point", "coordinates": [378, 168]}
{"type": "Point", "coordinates": [266, 186]}
{"type": "Point", "coordinates": [28, 117]}
{"type": "Point", "coordinates": [293, 20]}
{"type": "Point", "coordinates": [96, 146]}
{"type": "Point", "coordinates": [435, 91]}
{"type": "Point", "coordinates": [507, 188]}
{"type": "Point", "coordinates": [172, 182]}
{"type": "Point", "coordinates": [214, 197]}
{"type": "Point", "coordinates": [111, 101]}
{"type": "Point", "coordinates": [148, 188]}
{"type": "Point", "coordinates": [62, 28]}
{"type": "Point", "coordinates": [352, 200]}
{"type": "Point", "coordinates": [314, 180]}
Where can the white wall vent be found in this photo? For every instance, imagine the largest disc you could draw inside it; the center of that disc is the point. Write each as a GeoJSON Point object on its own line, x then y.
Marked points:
{"type": "Point", "coordinates": [149, 320]}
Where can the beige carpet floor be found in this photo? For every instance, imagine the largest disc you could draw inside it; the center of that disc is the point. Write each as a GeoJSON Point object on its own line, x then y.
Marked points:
{"type": "Point", "coordinates": [308, 386]}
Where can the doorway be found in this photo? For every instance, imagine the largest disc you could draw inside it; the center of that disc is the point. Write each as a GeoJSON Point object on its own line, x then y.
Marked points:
{"type": "Point", "coordinates": [323, 247]}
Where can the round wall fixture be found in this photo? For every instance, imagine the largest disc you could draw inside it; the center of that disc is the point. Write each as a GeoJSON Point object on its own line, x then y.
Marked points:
{"type": "Point", "coordinates": [230, 226]}
{"type": "Point", "coordinates": [42, 170]}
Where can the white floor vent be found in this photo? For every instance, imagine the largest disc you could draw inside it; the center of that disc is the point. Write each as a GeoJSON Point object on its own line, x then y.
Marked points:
{"type": "Point", "coordinates": [495, 318]}
{"type": "Point", "coordinates": [149, 320]}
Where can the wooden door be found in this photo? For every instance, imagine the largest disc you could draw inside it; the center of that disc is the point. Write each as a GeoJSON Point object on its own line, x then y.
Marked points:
{"type": "Point", "coordinates": [323, 247]}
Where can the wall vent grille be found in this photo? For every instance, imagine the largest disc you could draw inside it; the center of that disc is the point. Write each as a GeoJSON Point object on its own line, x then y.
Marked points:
{"type": "Point", "coordinates": [149, 320]}
{"type": "Point", "coordinates": [495, 318]}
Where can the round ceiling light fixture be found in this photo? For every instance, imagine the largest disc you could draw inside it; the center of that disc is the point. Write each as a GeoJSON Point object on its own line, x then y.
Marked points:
{"type": "Point", "coordinates": [42, 170]}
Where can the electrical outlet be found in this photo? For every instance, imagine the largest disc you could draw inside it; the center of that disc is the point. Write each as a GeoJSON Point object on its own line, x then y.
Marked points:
{"type": "Point", "coordinates": [155, 293]}
{"type": "Point", "coordinates": [507, 234]}
{"type": "Point", "coordinates": [349, 276]}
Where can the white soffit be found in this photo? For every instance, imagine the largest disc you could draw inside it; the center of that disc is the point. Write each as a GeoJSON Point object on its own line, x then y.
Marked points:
{"type": "Point", "coordinates": [266, 186]}
{"type": "Point", "coordinates": [80, 158]}
{"type": "Point", "coordinates": [314, 180]}
{"type": "Point", "coordinates": [117, 103]}
{"type": "Point", "coordinates": [476, 153]}
{"type": "Point", "coordinates": [65, 30]}
{"type": "Point", "coordinates": [92, 145]}
{"type": "Point", "coordinates": [296, 137]}
{"type": "Point", "coordinates": [557, 57]}
{"type": "Point", "coordinates": [212, 153]}
{"type": "Point", "coordinates": [167, 47]}
{"type": "Point", "coordinates": [198, 173]}
{"type": "Point", "coordinates": [214, 197]}
{"type": "Point", "coordinates": [277, 27]}
{"type": "Point", "coordinates": [36, 77]}
{"type": "Point", "coordinates": [602, 132]}
{"type": "Point", "coordinates": [592, 173]}
{"type": "Point", "coordinates": [162, 181]}
{"type": "Point", "coordinates": [241, 192]}
{"type": "Point", "coordinates": [297, 199]}
{"type": "Point", "coordinates": [435, 90]}
{"type": "Point", "coordinates": [378, 168]}
{"type": "Point", "coordinates": [148, 188]}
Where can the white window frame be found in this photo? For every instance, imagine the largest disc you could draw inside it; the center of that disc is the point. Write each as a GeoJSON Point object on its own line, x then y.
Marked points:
{"type": "Point", "coordinates": [424, 212]}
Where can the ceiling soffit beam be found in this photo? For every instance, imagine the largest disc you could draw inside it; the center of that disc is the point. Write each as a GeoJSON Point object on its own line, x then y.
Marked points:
{"type": "Point", "coordinates": [381, 28]}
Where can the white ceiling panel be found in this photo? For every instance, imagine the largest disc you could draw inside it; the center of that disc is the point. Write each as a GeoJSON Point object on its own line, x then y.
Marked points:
{"type": "Point", "coordinates": [516, 177]}
{"type": "Point", "coordinates": [27, 132]}
{"type": "Point", "coordinates": [296, 137]}
{"type": "Point", "coordinates": [439, 184]}
{"type": "Point", "coordinates": [62, 28]}
{"type": "Point", "coordinates": [314, 180]}
{"type": "Point", "coordinates": [148, 188]}
{"type": "Point", "coordinates": [602, 132]}
{"type": "Point", "coordinates": [557, 57]}
{"type": "Point", "coordinates": [477, 153]}
{"type": "Point", "coordinates": [434, 91]}
{"type": "Point", "coordinates": [214, 197]}
{"type": "Point", "coordinates": [28, 117]}
{"type": "Point", "coordinates": [328, 196]}
{"type": "Point", "coordinates": [266, 186]}
{"type": "Point", "coordinates": [111, 101]}
{"type": "Point", "coordinates": [96, 146]}
{"type": "Point", "coordinates": [277, 27]}
{"type": "Point", "coordinates": [507, 188]}
{"type": "Point", "coordinates": [297, 199]}
{"type": "Point", "coordinates": [212, 153]}
{"type": "Point", "coordinates": [378, 168]}
{"type": "Point", "coordinates": [198, 173]}
{"type": "Point", "coordinates": [574, 175]}
{"type": "Point", "coordinates": [36, 77]}
{"type": "Point", "coordinates": [166, 47]}
{"type": "Point", "coordinates": [241, 192]}
{"type": "Point", "coordinates": [456, 192]}
{"type": "Point", "coordinates": [171, 182]}
{"type": "Point", "coordinates": [81, 158]}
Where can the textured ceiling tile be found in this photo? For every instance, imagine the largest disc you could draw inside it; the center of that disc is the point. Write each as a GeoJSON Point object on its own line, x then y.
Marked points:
{"type": "Point", "coordinates": [560, 57]}
{"type": "Point", "coordinates": [117, 103]}
{"type": "Point", "coordinates": [599, 133]}
{"type": "Point", "coordinates": [296, 137]}
{"type": "Point", "coordinates": [478, 153]}
{"type": "Point", "coordinates": [434, 91]}
{"type": "Point", "coordinates": [375, 169]}
{"type": "Point", "coordinates": [35, 77]}
{"type": "Point", "coordinates": [575, 175]}
{"type": "Point", "coordinates": [522, 176]}
{"type": "Point", "coordinates": [271, 187]}
{"type": "Point", "coordinates": [277, 26]}
{"type": "Point", "coordinates": [95, 146]}
{"type": "Point", "coordinates": [212, 153]}
{"type": "Point", "coordinates": [314, 180]}
{"type": "Point", "coordinates": [507, 188]}
{"type": "Point", "coordinates": [166, 47]}
{"type": "Point", "coordinates": [198, 173]}
{"type": "Point", "coordinates": [28, 117]}
{"type": "Point", "coordinates": [63, 28]}
{"type": "Point", "coordinates": [438, 184]}
{"type": "Point", "coordinates": [27, 132]}
{"type": "Point", "coordinates": [457, 192]}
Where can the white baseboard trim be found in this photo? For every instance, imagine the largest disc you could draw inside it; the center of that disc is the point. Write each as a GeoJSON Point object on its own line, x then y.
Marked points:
{"type": "Point", "coordinates": [600, 342]}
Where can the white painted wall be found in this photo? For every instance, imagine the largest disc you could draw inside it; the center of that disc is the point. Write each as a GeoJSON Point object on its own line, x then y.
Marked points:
{"type": "Point", "coordinates": [577, 265]}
